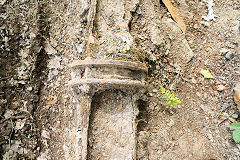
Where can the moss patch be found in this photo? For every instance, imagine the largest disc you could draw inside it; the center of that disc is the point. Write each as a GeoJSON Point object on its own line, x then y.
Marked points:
{"type": "Point", "coordinates": [133, 54]}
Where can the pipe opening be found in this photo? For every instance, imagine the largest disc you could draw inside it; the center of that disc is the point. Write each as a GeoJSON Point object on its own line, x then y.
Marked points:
{"type": "Point", "coordinates": [111, 133]}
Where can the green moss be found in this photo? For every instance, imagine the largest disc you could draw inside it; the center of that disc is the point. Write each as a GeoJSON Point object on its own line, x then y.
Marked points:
{"type": "Point", "coordinates": [133, 54]}
{"type": "Point", "coordinates": [93, 49]}
{"type": "Point", "coordinates": [137, 40]}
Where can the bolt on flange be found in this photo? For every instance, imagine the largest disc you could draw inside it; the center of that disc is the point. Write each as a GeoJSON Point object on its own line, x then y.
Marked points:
{"type": "Point", "coordinates": [90, 76]}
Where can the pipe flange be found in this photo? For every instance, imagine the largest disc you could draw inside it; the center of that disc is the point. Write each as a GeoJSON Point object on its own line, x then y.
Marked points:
{"type": "Point", "coordinates": [102, 74]}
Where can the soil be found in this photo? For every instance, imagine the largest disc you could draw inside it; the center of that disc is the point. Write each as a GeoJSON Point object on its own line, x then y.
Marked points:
{"type": "Point", "coordinates": [40, 39]}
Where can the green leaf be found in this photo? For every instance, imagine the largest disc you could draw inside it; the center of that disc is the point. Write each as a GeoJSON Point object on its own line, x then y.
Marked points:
{"type": "Point", "coordinates": [169, 97]}
{"type": "Point", "coordinates": [162, 89]}
{"type": "Point", "coordinates": [177, 101]}
{"type": "Point", "coordinates": [206, 73]}
{"type": "Point", "coordinates": [235, 115]}
{"type": "Point", "coordinates": [235, 125]}
{"type": "Point", "coordinates": [169, 103]}
{"type": "Point", "coordinates": [236, 136]}
{"type": "Point", "coordinates": [192, 46]}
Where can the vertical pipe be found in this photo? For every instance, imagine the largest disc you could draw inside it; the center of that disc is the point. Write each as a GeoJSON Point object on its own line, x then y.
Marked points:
{"type": "Point", "coordinates": [107, 91]}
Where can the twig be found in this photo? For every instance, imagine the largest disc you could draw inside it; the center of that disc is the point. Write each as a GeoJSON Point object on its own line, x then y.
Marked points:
{"type": "Point", "coordinates": [10, 134]}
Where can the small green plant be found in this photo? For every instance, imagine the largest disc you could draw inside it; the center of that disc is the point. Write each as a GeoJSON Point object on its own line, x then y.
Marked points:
{"type": "Point", "coordinates": [168, 96]}
{"type": "Point", "coordinates": [236, 131]}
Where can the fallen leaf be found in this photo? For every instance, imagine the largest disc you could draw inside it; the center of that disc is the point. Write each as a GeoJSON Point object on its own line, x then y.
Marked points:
{"type": "Point", "coordinates": [236, 136]}
{"type": "Point", "coordinates": [194, 81]}
{"type": "Point", "coordinates": [175, 15]}
{"type": "Point", "coordinates": [120, 107]}
{"type": "Point", "coordinates": [52, 102]}
{"type": "Point", "coordinates": [206, 73]}
{"type": "Point", "coordinates": [237, 95]}
{"type": "Point", "coordinates": [235, 125]}
{"type": "Point", "coordinates": [235, 115]}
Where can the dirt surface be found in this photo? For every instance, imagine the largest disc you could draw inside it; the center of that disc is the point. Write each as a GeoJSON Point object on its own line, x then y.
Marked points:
{"type": "Point", "coordinates": [39, 39]}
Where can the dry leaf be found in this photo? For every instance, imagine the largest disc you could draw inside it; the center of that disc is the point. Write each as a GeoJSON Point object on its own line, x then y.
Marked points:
{"type": "Point", "coordinates": [175, 15]}
{"type": "Point", "coordinates": [237, 95]}
{"type": "Point", "coordinates": [52, 102]}
{"type": "Point", "coordinates": [194, 81]}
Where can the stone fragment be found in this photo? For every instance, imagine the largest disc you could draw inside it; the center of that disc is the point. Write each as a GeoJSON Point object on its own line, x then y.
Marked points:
{"type": "Point", "coordinates": [29, 88]}
{"type": "Point", "coordinates": [180, 49]}
{"type": "Point", "coordinates": [228, 55]}
{"type": "Point", "coordinates": [171, 123]}
{"type": "Point", "coordinates": [205, 23]}
{"type": "Point", "coordinates": [32, 35]}
{"type": "Point", "coordinates": [45, 134]}
{"type": "Point", "coordinates": [54, 63]}
{"type": "Point", "coordinates": [20, 124]}
{"type": "Point", "coordinates": [50, 50]}
{"type": "Point", "coordinates": [156, 35]}
{"type": "Point", "coordinates": [79, 49]}
{"type": "Point", "coordinates": [223, 51]}
{"type": "Point", "coordinates": [15, 146]}
{"type": "Point", "coordinates": [42, 156]}
{"type": "Point", "coordinates": [151, 57]}
{"type": "Point", "coordinates": [158, 67]}
{"type": "Point", "coordinates": [205, 108]}
{"type": "Point", "coordinates": [221, 87]}
{"type": "Point", "coordinates": [53, 42]}
{"type": "Point", "coordinates": [10, 155]}
{"type": "Point", "coordinates": [210, 15]}
{"type": "Point", "coordinates": [226, 52]}
{"type": "Point", "coordinates": [8, 114]}
{"type": "Point", "coordinates": [23, 151]}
